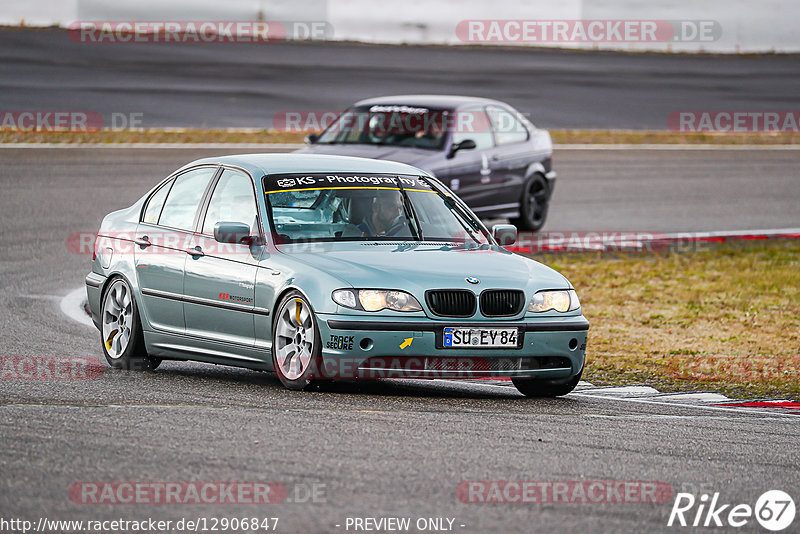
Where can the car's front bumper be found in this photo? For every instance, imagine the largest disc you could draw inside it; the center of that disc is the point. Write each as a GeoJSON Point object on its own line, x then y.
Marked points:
{"type": "Point", "coordinates": [354, 347]}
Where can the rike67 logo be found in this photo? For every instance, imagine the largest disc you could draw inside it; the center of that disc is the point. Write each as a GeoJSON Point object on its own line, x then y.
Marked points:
{"type": "Point", "coordinates": [774, 510]}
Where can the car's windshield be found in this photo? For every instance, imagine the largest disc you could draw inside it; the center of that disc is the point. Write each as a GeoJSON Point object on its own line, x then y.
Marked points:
{"type": "Point", "coordinates": [395, 125]}
{"type": "Point", "coordinates": [366, 207]}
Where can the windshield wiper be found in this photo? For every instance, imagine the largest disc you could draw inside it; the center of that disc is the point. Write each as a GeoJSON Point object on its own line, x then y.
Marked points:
{"type": "Point", "coordinates": [408, 208]}
{"type": "Point", "coordinates": [466, 222]}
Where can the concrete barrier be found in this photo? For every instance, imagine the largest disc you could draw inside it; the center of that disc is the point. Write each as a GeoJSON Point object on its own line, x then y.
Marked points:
{"type": "Point", "coordinates": [739, 26]}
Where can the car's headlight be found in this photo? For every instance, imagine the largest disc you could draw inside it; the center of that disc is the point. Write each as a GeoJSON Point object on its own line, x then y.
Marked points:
{"type": "Point", "coordinates": [373, 300]}
{"type": "Point", "coordinates": [560, 301]}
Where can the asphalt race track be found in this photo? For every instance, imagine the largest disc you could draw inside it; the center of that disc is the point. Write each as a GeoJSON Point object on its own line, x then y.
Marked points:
{"type": "Point", "coordinates": [245, 85]}
{"type": "Point", "coordinates": [377, 449]}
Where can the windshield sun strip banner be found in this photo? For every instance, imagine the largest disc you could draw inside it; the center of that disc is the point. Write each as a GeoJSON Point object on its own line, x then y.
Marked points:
{"type": "Point", "coordinates": [349, 187]}
{"type": "Point", "coordinates": [280, 183]}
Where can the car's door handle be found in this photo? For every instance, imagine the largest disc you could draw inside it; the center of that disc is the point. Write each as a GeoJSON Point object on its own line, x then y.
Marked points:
{"type": "Point", "coordinates": [143, 241]}
{"type": "Point", "coordinates": [495, 158]}
{"type": "Point", "coordinates": [195, 251]}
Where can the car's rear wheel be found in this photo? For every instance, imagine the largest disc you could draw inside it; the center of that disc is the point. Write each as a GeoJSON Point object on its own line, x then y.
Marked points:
{"type": "Point", "coordinates": [296, 345]}
{"type": "Point", "coordinates": [533, 387]}
{"type": "Point", "coordinates": [121, 329]}
{"type": "Point", "coordinates": [533, 205]}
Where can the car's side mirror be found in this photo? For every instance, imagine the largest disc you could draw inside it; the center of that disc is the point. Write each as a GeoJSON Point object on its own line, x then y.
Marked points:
{"type": "Point", "coordinates": [311, 138]}
{"type": "Point", "coordinates": [504, 234]}
{"type": "Point", "coordinates": [466, 144]}
{"type": "Point", "coordinates": [232, 232]}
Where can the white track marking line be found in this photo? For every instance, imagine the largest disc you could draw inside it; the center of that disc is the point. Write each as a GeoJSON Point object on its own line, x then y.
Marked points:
{"type": "Point", "coordinates": [684, 405]}
{"type": "Point", "coordinates": [72, 307]}
{"type": "Point", "coordinates": [621, 146]}
{"type": "Point", "coordinates": [694, 397]}
{"type": "Point", "coordinates": [264, 146]}
{"type": "Point", "coordinates": [625, 391]}
{"type": "Point", "coordinates": [651, 401]}
{"type": "Point", "coordinates": [729, 233]}
{"type": "Point", "coordinates": [293, 146]}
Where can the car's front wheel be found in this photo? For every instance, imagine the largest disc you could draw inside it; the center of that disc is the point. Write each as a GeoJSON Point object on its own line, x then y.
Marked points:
{"type": "Point", "coordinates": [296, 345]}
{"type": "Point", "coordinates": [532, 387]}
{"type": "Point", "coordinates": [533, 205]}
{"type": "Point", "coordinates": [121, 328]}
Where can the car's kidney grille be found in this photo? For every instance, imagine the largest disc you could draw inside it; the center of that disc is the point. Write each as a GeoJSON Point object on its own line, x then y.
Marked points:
{"type": "Point", "coordinates": [451, 302]}
{"type": "Point", "coordinates": [502, 302]}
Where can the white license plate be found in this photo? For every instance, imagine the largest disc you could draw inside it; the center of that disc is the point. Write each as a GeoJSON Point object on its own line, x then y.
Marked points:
{"type": "Point", "coordinates": [480, 337]}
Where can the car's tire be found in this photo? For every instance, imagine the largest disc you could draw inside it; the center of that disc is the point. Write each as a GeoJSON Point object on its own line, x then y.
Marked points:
{"type": "Point", "coordinates": [533, 204]}
{"type": "Point", "coordinates": [532, 387]}
{"type": "Point", "coordinates": [121, 329]}
{"type": "Point", "coordinates": [296, 344]}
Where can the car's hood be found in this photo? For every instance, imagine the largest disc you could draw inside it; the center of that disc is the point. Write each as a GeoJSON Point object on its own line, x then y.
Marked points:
{"type": "Point", "coordinates": [408, 155]}
{"type": "Point", "coordinates": [419, 267]}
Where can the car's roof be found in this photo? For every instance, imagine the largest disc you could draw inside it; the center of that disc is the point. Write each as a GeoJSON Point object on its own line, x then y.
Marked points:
{"type": "Point", "coordinates": [260, 164]}
{"type": "Point", "coordinates": [428, 101]}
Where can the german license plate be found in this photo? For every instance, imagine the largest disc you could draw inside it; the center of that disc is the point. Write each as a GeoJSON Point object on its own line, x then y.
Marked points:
{"type": "Point", "coordinates": [480, 337]}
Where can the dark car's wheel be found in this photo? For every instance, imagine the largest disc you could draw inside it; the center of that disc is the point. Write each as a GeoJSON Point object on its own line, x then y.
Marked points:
{"type": "Point", "coordinates": [532, 387]}
{"type": "Point", "coordinates": [533, 204]}
{"type": "Point", "coordinates": [296, 345]}
{"type": "Point", "coordinates": [121, 328]}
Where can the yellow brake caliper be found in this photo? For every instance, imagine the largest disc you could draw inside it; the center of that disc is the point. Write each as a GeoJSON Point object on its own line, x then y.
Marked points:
{"type": "Point", "coordinates": [111, 339]}
{"type": "Point", "coordinates": [297, 309]}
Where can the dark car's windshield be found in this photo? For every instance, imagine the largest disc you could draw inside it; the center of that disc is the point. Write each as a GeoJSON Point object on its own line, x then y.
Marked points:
{"type": "Point", "coordinates": [395, 125]}
{"type": "Point", "coordinates": [365, 207]}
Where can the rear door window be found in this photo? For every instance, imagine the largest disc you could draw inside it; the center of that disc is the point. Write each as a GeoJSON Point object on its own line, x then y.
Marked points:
{"type": "Point", "coordinates": [153, 210]}
{"type": "Point", "coordinates": [184, 198]}
{"type": "Point", "coordinates": [507, 127]}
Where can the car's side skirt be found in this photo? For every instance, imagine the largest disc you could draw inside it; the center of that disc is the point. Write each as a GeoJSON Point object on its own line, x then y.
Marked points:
{"type": "Point", "coordinates": [183, 347]}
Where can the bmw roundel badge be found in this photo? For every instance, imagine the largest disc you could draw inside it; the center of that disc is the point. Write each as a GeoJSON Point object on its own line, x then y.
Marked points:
{"type": "Point", "coordinates": [472, 280]}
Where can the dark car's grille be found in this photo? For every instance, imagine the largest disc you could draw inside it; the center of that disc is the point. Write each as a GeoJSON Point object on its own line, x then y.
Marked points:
{"type": "Point", "coordinates": [451, 302]}
{"type": "Point", "coordinates": [502, 302]}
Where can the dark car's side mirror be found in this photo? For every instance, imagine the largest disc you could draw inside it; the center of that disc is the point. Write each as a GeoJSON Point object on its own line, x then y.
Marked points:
{"type": "Point", "coordinates": [311, 138]}
{"type": "Point", "coordinates": [504, 234]}
{"type": "Point", "coordinates": [466, 144]}
{"type": "Point", "coordinates": [232, 232]}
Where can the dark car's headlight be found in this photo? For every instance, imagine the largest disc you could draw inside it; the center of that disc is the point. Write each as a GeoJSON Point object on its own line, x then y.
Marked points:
{"type": "Point", "coordinates": [560, 301]}
{"type": "Point", "coordinates": [373, 300]}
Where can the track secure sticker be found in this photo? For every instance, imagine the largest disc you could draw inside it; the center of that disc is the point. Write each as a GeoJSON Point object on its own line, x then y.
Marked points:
{"type": "Point", "coordinates": [340, 343]}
